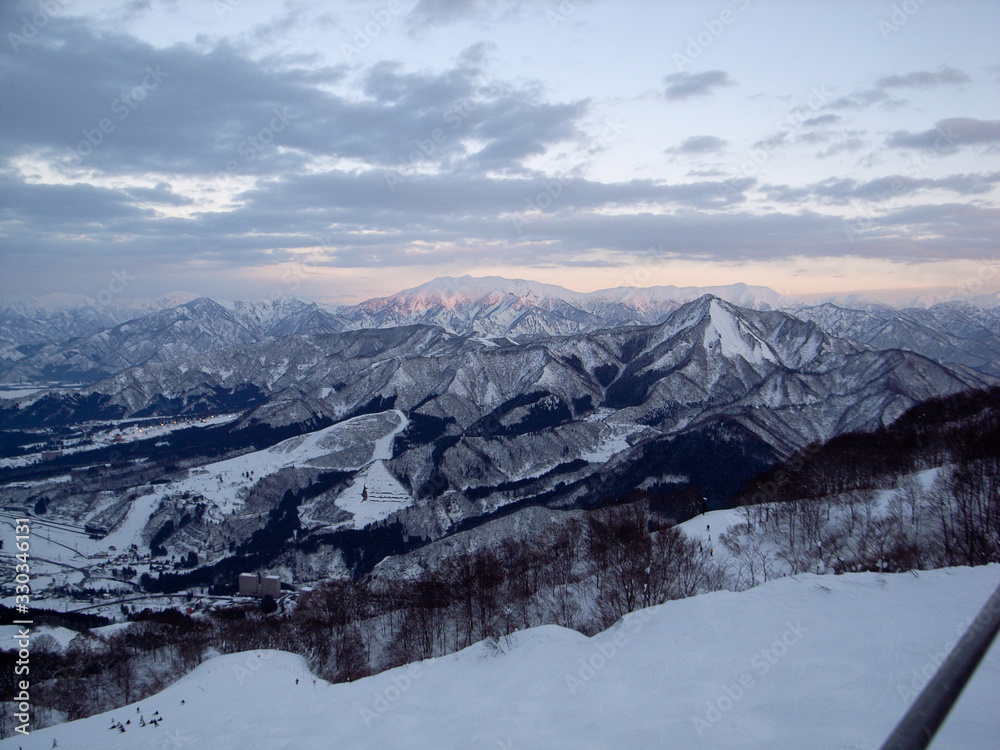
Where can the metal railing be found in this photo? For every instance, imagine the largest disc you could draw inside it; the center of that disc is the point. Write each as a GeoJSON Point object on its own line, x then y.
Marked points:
{"type": "Point", "coordinates": [916, 730]}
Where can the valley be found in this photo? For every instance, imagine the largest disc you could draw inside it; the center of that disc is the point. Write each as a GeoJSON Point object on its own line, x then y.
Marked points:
{"type": "Point", "coordinates": [720, 447]}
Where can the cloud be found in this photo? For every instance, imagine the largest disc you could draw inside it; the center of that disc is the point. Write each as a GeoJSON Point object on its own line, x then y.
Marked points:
{"type": "Point", "coordinates": [841, 190]}
{"type": "Point", "coordinates": [948, 135]}
{"type": "Point", "coordinates": [932, 229]}
{"type": "Point", "coordinates": [682, 86]}
{"type": "Point", "coordinates": [827, 119]}
{"type": "Point", "coordinates": [444, 218]}
{"type": "Point", "coordinates": [477, 54]}
{"type": "Point", "coordinates": [698, 144]}
{"type": "Point", "coordinates": [220, 111]}
{"type": "Point", "coordinates": [850, 144]}
{"type": "Point", "coordinates": [772, 141]}
{"type": "Point", "coordinates": [943, 76]}
{"type": "Point", "coordinates": [381, 163]}
{"type": "Point", "coordinates": [880, 94]}
{"type": "Point", "coordinates": [865, 98]}
{"type": "Point", "coordinates": [442, 12]}
{"type": "Point", "coordinates": [786, 193]}
{"type": "Point", "coordinates": [446, 12]}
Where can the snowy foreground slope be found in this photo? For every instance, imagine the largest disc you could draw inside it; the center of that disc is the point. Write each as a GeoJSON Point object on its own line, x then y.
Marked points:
{"type": "Point", "coordinates": [812, 662]}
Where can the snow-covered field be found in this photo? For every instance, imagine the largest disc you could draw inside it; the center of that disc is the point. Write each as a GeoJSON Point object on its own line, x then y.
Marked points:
{"type": "Point", "coordinates": [385, 496]}
{"type": "Point", "coordinates": [65, 555]}
{"type": "Point", "coordinates": [353, 444]}
{"type": "Point", "coordinates": [62, 636]}
{"type": "Point", "coordinates": [123, 432]}
{"type": "Point", "coordinates": [813, 662]}
{"type": "Point", "coordinates": [12, 393]}
{"type": "Point", "coordinates": [707, 528]}
{"type": "Point", "coordinates": [613, 441]}
{"type": "Point", "coordinates": [346, 445]}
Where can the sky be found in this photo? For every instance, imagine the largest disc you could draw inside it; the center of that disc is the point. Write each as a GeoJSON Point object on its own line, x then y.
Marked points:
{"type": "Point", "coordinates": [338, 151]}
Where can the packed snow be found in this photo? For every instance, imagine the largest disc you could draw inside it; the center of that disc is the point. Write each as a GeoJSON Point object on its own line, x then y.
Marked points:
{"type": "Point", "coordinates": [707, 527]}
{"type": "Point", "coordinates": [811, 662]}
{"type": "Point", "coordinates": [351, 444]}
{"type": "Point", "coordinates": [385, 495]}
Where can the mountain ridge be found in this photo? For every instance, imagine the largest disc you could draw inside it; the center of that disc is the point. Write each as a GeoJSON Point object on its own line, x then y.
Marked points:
{"type": "Point", "coordinates": [40, 351]}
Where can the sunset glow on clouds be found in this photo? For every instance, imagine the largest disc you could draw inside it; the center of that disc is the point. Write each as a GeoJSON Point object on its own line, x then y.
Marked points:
{"type": "Point", "coordinates": [359, 148]}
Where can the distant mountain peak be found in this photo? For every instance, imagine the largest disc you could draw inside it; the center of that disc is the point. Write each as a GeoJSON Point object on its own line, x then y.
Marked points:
{"type": "Point", "coordinates": [461, 288]}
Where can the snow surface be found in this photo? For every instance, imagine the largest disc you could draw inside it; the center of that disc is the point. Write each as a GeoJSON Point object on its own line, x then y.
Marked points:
{"type": "Point", "coordinates": [613, 441]}
{"type": "Point", "coordinates": [707, 527]}
{"type": "Point", "coordinates": [383, 446]}
{"type": "Point", "coordinates": [813, 662]}
{"type": "Point", "coordinates": [106, 631]}
{"type": "Point", "coordinates": [129, 531]}
{"type": "Point", "coordinates": [13, 393]}
{"type": "Point", "coordinates": [62, 636]}
{"type": "Point", "coordinates": [226, 485]}
{"type": "Point", "coordinates": [385, 495]}
{"type": "Point", "coordinates": [726, 329]}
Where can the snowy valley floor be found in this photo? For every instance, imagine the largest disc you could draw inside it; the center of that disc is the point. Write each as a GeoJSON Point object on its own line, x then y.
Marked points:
{"type": "Point", "coordinates": [811, 662]}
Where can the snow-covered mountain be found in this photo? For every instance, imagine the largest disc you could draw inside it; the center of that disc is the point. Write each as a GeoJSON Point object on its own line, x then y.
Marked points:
{"type": "Point", "coordinates": [47, 343]}
{"type": "Point", "coordinates": [952, 332]}
{"type": "Point", "coordinates": [706, 399]}
{"type": "Point", "coordinates": [72, 341]}
{"type": "Point", "coordinates": [198, 326]}
{"type": "Point", "coordinates": [494, 306]}
{"type": "Point", "coordinates": [984, 301]}
{"type": "Point", "coordinates": [787, 379]}
{"type": "Point", "coordinates": [806, 662]}
{"type": "Point", "coordinates": [55, 317]}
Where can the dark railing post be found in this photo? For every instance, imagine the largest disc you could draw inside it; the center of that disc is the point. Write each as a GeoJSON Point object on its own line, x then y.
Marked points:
{"type": "Point", "coordinates": [916, 730]}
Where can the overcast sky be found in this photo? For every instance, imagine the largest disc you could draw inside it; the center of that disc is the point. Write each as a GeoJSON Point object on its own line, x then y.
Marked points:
{"type": "Point", "coordinates": [342, 150]}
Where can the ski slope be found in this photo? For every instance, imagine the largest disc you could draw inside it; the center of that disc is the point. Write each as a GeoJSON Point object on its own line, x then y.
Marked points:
{"type": "Point", "coordinates": [351, 444]}
{"type": "Point", "coordinates": [62, 551]}
{"type": "Point", "coordinates": [385, 495]}
{"type": "Point", "coordinates": [814, 662]}
{"type": "Point", "coordinates": [706, 528]}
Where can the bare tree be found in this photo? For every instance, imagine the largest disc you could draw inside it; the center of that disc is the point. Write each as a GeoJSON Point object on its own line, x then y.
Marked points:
{"type": "Point", "coordinates": [750, 551]}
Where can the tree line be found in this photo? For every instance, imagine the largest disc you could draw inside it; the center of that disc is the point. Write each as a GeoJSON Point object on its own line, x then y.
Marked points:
{"type": "Point", "coordinates": [584, 572]}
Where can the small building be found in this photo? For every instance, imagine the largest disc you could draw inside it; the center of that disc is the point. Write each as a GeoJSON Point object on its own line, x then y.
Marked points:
{"type": "Point", "coordinates": [249, 584]}
{"type": "Point", "coordinates": [258, 584]}
{"type": "Point", "coordinates": [270, 586]}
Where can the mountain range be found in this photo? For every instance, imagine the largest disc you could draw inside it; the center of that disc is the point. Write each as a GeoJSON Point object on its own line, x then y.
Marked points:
{"type": "Point", "coordinates": [430, 402]}
{"type": "Point", "coordinates": [716, 392]}
{"type": "Point", "coordinates": [60, 341]}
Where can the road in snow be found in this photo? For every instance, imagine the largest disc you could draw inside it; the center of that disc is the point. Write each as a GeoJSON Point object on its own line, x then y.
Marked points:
{"type": "Point", "coordinates": [814, 662]}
